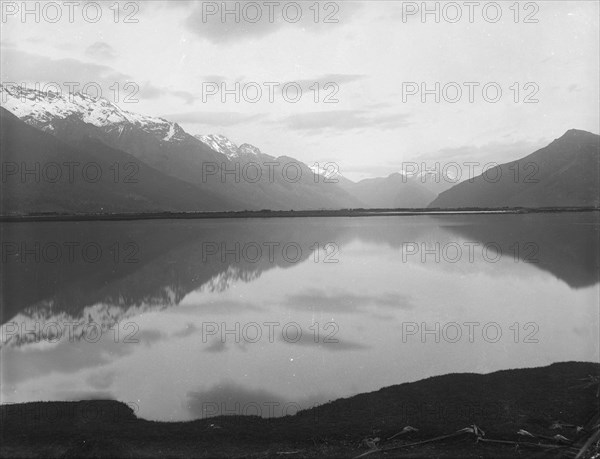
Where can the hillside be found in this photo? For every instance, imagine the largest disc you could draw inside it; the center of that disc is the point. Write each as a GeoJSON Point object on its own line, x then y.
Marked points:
{"type": "Point", "coordinates": [564, 173]}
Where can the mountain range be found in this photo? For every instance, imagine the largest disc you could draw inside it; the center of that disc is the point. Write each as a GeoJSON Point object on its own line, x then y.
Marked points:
{"type": "Point", "coordinates": [151, 164]}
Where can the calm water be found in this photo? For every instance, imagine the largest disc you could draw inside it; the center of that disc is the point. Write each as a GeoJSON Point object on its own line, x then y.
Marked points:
{"type": "Point", "coordinates": [187, 319]}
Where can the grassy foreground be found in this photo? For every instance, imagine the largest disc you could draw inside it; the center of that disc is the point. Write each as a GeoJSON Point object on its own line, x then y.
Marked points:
{"type": "Point", "coordinates": [499, 403]}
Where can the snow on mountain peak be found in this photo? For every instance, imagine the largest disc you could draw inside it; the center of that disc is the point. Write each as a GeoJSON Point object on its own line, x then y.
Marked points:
{"type": "Point", "coordinates": [40, 109]}
{"type": "Point", "coordinates": [225, 146]}
{"type": "Point", "coordinates": [247, 149]}
{"type": "Point", "coordinates": [330, 172]}
{"type": "Point", "coordinates": [219, 143]}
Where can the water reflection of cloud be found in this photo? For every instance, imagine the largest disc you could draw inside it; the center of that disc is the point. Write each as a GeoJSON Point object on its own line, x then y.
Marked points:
{"type": "Point", "coordinates": [66, 357]}
{"type": "Point", "coordinates": [229, 398]}
{"type": "Point", "coordinates": [217, 346]}
{"type": "Point", "coordinates": [189, 330]}
{"type": "Point", "coordinates": [148, 337]}
{"type": "Point", "coordinates": [221, 306]}
{"type": "Point", "coordinates": [101, 380]}
{"type": "Point", "coordinates": [76, 395]}
{"type": "Point", "coordinates": [346, 302]}
{"type": "Point", "coordinates": [323, 342]}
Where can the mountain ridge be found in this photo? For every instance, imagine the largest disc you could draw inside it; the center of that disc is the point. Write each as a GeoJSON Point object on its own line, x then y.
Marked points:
{"type": "Point", "coordinates": [111, 190]}
{"type": "Point", "coordinates": [242, 177]}
{"type": "Point", "coordinates": [564, 173]}
{"type": "Point", "coordinates": [166, 147]}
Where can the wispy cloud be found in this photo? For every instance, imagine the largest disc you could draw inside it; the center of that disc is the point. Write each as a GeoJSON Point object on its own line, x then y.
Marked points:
{"type": "Point", "coordinates": [345, 120]}
{"type": "Point", "coordinates": [339, 79]}
{"type": "Point", "coordinates": [215, 118]}
{"type": "Point", "coordinates": [22, 67]}
{"type": "Point", "coordinates": [27, 67]}
{"type": "Point", "coordinates": [256, 21]}
{"type": "Point", "coordinates": [101, 50]}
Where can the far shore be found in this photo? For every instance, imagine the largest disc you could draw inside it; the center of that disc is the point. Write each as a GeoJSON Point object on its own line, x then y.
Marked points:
{"type": "Point", "coordinates": [265, 213]}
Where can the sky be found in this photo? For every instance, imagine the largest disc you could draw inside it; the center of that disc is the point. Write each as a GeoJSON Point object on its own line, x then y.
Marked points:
{"type": "Point", "coordinates": [360, 68]}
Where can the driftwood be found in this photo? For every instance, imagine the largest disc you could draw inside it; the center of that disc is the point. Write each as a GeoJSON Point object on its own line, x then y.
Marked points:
{"type": "Point", "coordinates": [392, 448]}
{"type": "Point", "coordinates": [479, 434]}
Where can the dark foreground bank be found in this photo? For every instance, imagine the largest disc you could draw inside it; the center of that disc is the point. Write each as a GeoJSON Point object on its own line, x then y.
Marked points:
{"type": "Point", "coordinates": [560, 399]}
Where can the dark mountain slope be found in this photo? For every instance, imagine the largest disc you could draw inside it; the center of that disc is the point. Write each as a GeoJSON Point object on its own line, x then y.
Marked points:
{"type": "Point", "coordinates": [52, 188]}
{"type": "Point", "coordinates": [563, 174]}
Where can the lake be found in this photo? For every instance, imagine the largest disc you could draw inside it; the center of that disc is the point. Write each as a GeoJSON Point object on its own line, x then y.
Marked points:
{"type": "Point", "coordinates": [185, 319]}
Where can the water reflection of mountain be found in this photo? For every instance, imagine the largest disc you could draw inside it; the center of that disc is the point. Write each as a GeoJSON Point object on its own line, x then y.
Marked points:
{"type": "Point", "coordinates": [566, 245]}
{"type": "Point", "coordinates": [150, 263]}
{"type": "Point", "coordinates": [156, 263]}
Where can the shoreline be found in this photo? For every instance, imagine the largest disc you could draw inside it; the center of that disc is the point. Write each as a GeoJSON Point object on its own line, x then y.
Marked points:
{"type": "Point", "coordinates": [285, 214]}
{"type": "Point", "coordinates": [440, 408]}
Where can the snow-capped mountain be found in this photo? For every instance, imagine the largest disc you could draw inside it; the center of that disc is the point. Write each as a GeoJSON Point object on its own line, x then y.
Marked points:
{"type": "Point", "coordinates": [219, 143]}
{"type": "Point", "coordinates": [41, 109]}
{"type": "Point", "coordinates": [331, 172]}
{"type": "Point", "coordinates": [223, 145]}
{"type": "Point", "coordinates": [248, 150]}
{"type": "Point", "coordinates": [168, 149]}
{"type": "Point", "coordinates": [149, 190]}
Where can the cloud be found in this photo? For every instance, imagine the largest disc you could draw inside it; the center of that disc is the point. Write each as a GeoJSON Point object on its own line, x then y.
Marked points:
{"type": "Point", "coordinates": [22, 67]}
{"type": "Point", "coordinates": [345, 120]}
{"type": "Point", "coordinates": [100, 50]}
{"type": "Point", "coordinates": [251, 20]}
{"type": "Point", "coordinates": [213, 78]}
{"type": "Point", "coordinates": [215, 118]}
{"type": "Point", "coordinates": [26, 67]}
{"type": "Point", "coordinates": [149, 91]}
{"type": "Point", "coordinates": [335, 78]}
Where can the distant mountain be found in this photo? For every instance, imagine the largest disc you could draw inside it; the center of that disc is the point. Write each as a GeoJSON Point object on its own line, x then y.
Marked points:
{"type": "Point", "coordinates": [211, 172]}
{"type": "Point", "coordinates": [395, 191]}
{"type": "Point", "coordinates": [213, 165]}
{"type": "Point", "coordinates": [219, 143]}
{"type": "Point", "coordinates": [41, 109]}
{"type": "Point", "coordinates": [565, 173]}
{"type": "Point", "coordinates": [434, 181]}
{"type": "Point", "coordinates": [245, 153]}
{"type": "Point", "coordinates": [82, 177]}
